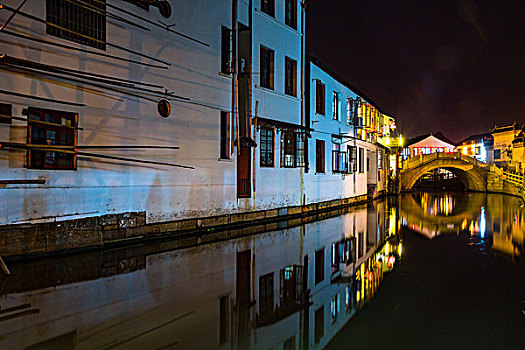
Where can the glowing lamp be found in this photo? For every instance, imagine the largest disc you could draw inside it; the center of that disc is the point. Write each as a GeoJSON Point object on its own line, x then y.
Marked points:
{"type": "Point", "coordinates": [391, 261]}
{"type": "Point", "coordinates": [370, 275]}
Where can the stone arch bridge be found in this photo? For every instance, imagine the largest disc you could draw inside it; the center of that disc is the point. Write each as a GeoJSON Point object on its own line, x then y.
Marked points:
{"type": "Point", "coordinates": [471, 172]}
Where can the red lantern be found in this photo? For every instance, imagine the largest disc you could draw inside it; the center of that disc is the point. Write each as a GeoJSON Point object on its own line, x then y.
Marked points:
{"type": "Point", "coordinates": [391, 261]}
{"type": "Point", "coordinates": [370, 275]}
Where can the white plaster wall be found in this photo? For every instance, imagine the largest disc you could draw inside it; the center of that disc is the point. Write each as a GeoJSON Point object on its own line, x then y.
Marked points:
{"type": "Point", "coordinates": [99, 187]}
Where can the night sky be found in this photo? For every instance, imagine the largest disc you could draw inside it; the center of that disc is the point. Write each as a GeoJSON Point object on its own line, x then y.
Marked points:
{"type": "Point", "coordinates": [455, 66]}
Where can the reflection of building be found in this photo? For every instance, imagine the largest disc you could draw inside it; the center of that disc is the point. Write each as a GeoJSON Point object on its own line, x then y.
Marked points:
{"type": "Point", "coordinates": [295, 287]}
{"type": "Point", "coordinates": [478, 146]}
{"type": "Point", "coordinates": [426, 144]}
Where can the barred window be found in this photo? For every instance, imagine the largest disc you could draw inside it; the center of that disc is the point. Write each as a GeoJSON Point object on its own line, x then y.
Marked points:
{"type": "Point", "coordinates": [292, 149]}
{"type": "Point", "coordinates": [51, 128]}
{"type": "Point", "coordinates": [299, 149]}
{"type": "Point", "coordinates": [84, 23]}
{"type": "Point", "coordinates": [338, 159]}
{"type": "Point", "coordinates": [335, 105]}
{"type": "Point", "coordinates": [266, 147]}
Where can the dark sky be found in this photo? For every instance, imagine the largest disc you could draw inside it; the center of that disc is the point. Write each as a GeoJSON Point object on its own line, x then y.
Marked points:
{"type": "Point", "coordinates": [455, 66]}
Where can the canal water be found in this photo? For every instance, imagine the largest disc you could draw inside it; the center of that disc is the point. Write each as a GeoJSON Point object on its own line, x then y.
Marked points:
{"type": "Point", "coordinates": [422, 271]}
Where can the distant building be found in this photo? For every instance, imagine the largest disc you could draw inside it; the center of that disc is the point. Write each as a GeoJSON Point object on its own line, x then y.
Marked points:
{"type": "Point", "coordinates": [478, 146]}
{"type": "Point", "coordinates": [503, 137]}
{"type": "Point", "coordinates": [426, 144]}
{"type": "Point", "coordinates": [518, 151]}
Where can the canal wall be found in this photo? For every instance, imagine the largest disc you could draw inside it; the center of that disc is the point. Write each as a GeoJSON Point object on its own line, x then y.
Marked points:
{"type": "Point", "coordinates": [41, 239]}
{"type": "Point", "coordinates": [498, 184]}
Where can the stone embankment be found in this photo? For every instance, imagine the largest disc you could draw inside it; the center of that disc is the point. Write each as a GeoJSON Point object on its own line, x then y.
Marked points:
{"type": "Point", "coordinates": [34, 240]}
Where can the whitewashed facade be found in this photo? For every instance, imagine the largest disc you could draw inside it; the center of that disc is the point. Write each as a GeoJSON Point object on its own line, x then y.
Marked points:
{"type": "Point", "coordinates": [227, 81]}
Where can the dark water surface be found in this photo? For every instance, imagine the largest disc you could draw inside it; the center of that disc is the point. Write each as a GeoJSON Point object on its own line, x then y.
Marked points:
{"type": "Point", "coordinates": [427, 271]}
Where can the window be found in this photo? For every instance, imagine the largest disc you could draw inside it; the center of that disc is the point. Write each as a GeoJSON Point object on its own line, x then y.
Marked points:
{"type": "Point", "coordinates": [292, 149]}
{"type": "Point", "coordinates": [349, 111]}
{"type": "Point", "coordinates": [266, 147]}
{"type": "Point", "coordinates": [290, 77]}
{"type": "Point", "coordinates": [358, 118]}
{"type": "Point", "coordinates": [478, 150]}
{"type": "Point", "coordinates": [289, 344]}
{"type": "Point", "coordinates": [52, 128]}
{"type": "Point", "coordinates": [266, 294]}
{"type": "Point", "coordinates": [299, 149]}
{"type": "Point", "coordinates": [335, 105]}
{"type": "Point", "coordinates": [267, 56]}
{"type": "Point", "coordinates": [291, 13]}
{"type": "Point", "coordinates": [225, 49]}
{"type": "Point", "coordinates": [78, 23]}
{"type": "Point", "coordinates": [361, 160]}
{"type": "Point", "coordinates": [6, 111]}
{"type": "Point", "coordinates": [224, 317]}
{"type": "Point", "coordinates": [268, 7]}
{"type": "Point", "coordinates": [319, 324]}
{"type": "Point", "coordinates": [352, 156]}
{"type": "Point", "coordinates": [334, 307]}
{"type": "Point", "coordinates": [287, 149]}
{"type": "Point", "coordinates": [319, 266]}
{"type": "Point", "coordinates": [367, 162]}
{"type": "Point", "coordinates": [336, 258]}
{"type": "Point", "coordinates": [497, 154]}
{"type": "Point", "coordinates": [319, 97]}
{"type": "Point", "coordinates": [380, 160]}
{"type": "Point", "coordinates": [319, 156]}
{"type": "Point", "coordinates": [225, 135]}
{"type": "Point", "coordinates": [338, 159]}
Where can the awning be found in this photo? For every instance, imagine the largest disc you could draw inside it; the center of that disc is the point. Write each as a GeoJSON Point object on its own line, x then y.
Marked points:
{"type": "Point", "coordinates": [279, 124]}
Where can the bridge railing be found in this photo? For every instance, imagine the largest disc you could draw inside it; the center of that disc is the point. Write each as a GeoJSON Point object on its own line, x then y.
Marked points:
{"type": "Point", "coordinates": [422, 158]}
{"type": "Point", "coordinates": [516, 179]}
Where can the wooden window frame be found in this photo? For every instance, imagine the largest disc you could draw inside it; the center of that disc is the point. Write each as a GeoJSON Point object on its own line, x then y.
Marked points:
{"type": "Point", "coordinates": [267, 148]}
{"type": "Point", "coordinates": [287, 149]}
{"type": "Point", "coordinates": [320, 98]}
{"type": "Point", "coordinates": [36, 115]}
{"type": "Point", "coordinates": [336, 115]}
{"type": "Point", "coordinates": [267, 60]}
{"type": "Point", "coordinates": [224, 135]}
{"type": "Point", "coordinates": [320, 156]}
{"type": "Point", "coordinates": [290, 13]}
{"type": "Point", "coordinates": [225, 50]}
{"type": "Point", "coordinates": [290, 76]}
{"type": "Point", "coordinates": [361, 160]}
{"type": "Point", "coordinates": [73, 17]}
{"type": "Point", "coordinates": [268, 7]}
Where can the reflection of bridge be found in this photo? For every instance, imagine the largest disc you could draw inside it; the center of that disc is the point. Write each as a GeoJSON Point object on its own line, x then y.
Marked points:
{"type": "Point", "coordinates": [471, 172]}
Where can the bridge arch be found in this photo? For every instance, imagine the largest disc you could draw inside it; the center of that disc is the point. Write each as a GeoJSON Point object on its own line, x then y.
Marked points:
{"type": "Point", "coordinates": [471, 173]}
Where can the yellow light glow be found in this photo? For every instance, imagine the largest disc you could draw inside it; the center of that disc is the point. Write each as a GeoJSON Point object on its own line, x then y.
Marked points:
{"type": "Point", "coordinates": [400, 140]}
{"type": "Point", "coordinates": [400, 249]}
{"type": "Point", "coordinates": [388, 141]}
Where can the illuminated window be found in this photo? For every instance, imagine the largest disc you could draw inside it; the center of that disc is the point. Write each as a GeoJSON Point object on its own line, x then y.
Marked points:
{"type": "Point", "coordinates": [266, 147]}
{"type": "Point", "coordinates": [84, 24]}
{"type": "Point", "coordinates": [267, 59]}
{"type": "Point", "coordinates": [51, 128]}
{"type": "Point", "coordinates": [497, 154]}
{"type": "Point", "coordinates": [292, 149]}
{"type": "Point", "coordinates": [319, 98]}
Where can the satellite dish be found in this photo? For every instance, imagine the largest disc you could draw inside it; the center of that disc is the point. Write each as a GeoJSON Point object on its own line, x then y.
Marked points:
{"type": "Point", "coordinates": [165, 9]}
{"type": "Point", "coordinates": [164, 108]}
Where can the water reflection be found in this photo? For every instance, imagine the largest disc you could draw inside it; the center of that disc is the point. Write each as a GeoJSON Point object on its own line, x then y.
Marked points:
{"type": "Point", "coordinates": [294, 287]}
{"type": "Point", "coordinates": [497, 219]}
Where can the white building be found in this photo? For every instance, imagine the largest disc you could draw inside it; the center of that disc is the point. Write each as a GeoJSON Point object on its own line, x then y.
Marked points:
{"type": "Point", "coordinates": [128, 114]}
